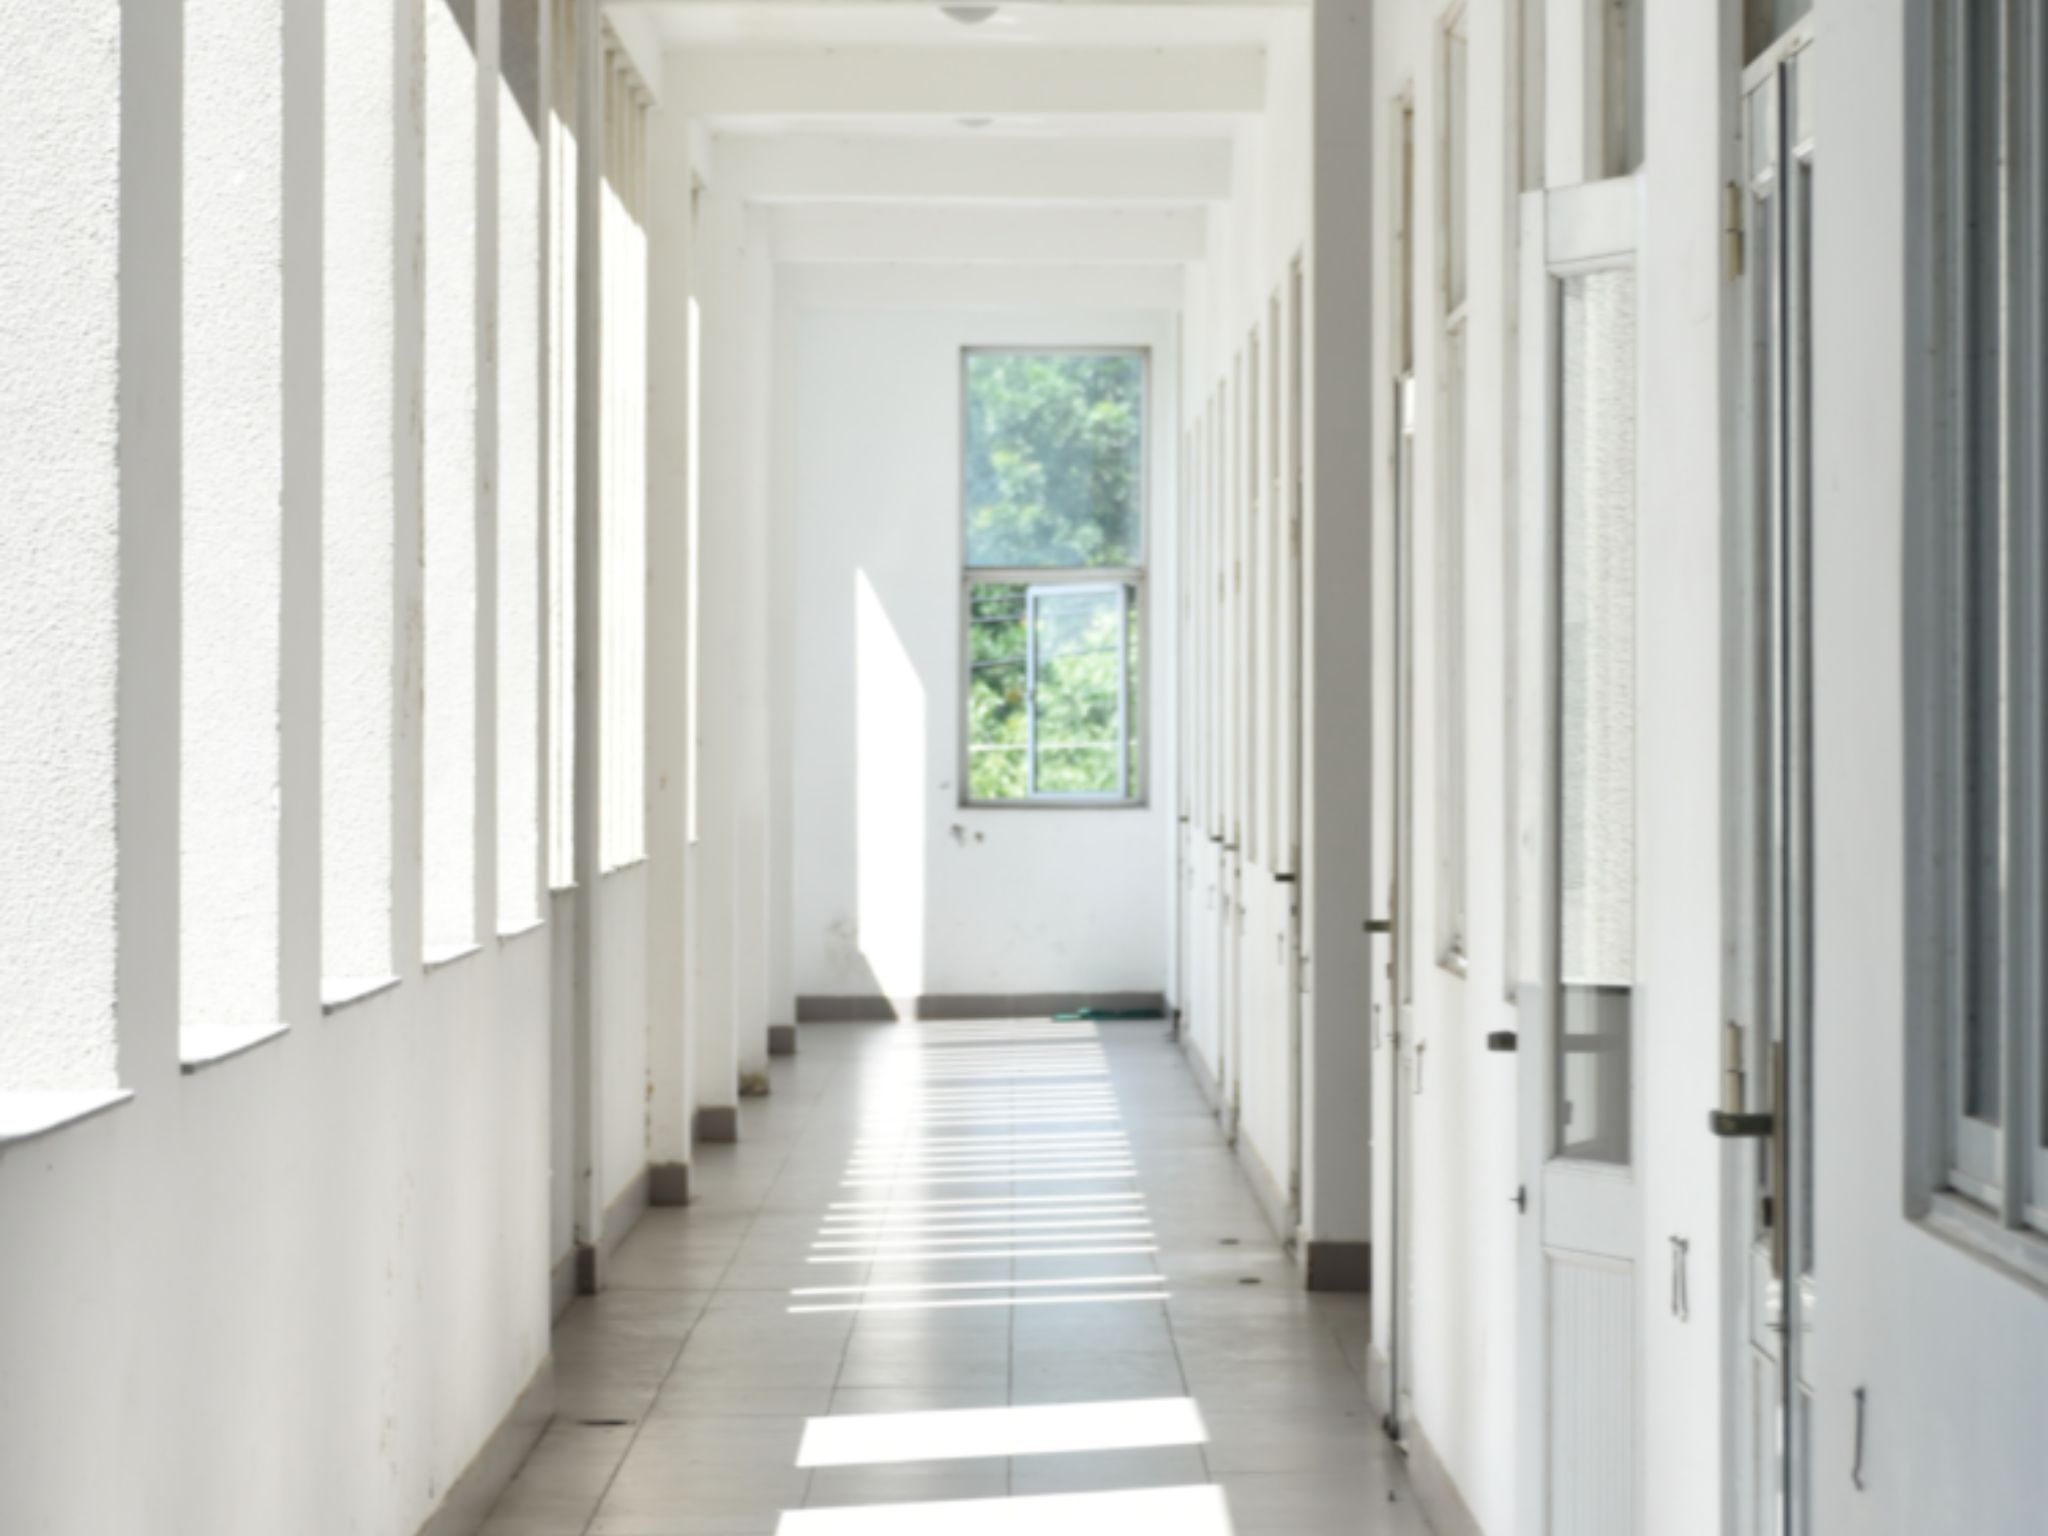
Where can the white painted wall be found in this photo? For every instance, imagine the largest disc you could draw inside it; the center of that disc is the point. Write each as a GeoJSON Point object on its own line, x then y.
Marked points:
{"type": "Point", "coordinates": [294, 1292]}
{"type": "Point", "coordinates": [899, 891]}
{"type": "Point", "coordinates": [1236, 1029]}
{"type": "Point", "coordinates": [296, 1288]}
{"type": "Point", "coordinates": [1465, 1161]}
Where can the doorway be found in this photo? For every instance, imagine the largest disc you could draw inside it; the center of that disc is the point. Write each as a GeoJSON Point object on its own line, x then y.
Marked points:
{"type": "Point", "coordinates": [1768, 1089]}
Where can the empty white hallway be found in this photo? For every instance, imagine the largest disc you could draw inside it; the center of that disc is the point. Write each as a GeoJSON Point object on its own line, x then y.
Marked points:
{"type": "Point", "coordinates": [992, 1277]}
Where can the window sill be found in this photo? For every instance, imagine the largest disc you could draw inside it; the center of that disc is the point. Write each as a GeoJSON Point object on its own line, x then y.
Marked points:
{"type": "Point", "coordinates": [24, 1117]}
{"type": "Point", "coordinates": [1957, 1221]}
{"type": "Point", "coordinates": [1055, 805]}
{"type": "Point", "coordinates": [199, 1049]}
{"type": "Point", "coordinates": [448, 954]}
{"type": "Point", "coordinates": [1454, 963]}
{"type": "Point", "coordinates": [339, 992]}
{"type": "Point", "coordinates": [521, 930]}
{"type": "Point", "coordinates": [623, 867]}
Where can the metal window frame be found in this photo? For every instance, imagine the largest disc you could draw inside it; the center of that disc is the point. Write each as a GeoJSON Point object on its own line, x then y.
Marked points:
{"type": "Point", "coordinates": [1983, 1186]}
{"type": "Point", "coordinates": [1135, 714]}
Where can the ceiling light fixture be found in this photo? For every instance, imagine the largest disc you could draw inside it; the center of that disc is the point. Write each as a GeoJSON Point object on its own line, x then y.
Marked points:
{"type": "Point", "coordinates": [968, 15]}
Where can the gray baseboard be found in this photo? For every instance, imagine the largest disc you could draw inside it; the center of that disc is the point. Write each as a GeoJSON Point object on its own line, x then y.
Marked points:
{"type": "Point", "coordinates": [562, 1283]}
{"type": "Point", "coordinates": [1212, 1091]}
{"type": "Point", "coordinates": [781, 1039]}
{"type": "Point", "coordinates": [668, 1184]}
{"type": "Point", "coordinates": [1344, 1268]}
{"type": "Point", "coordinates": [718, 1124]}
{"type": "Point", "coordinates": [877, 1009]}
{"type": "Point", "coordinates": [624, 1213]}
{"type": "Point", "coordinates": [1436, 1495]}
{"type": "Point", "coordinates": [474, 1494]}
{"type": "Point", "coordinates": [620, 1218]}
{"type": "Point", "coordinates": [1267, 1191]}
{"type": "Point", "coordinates": [1442, 1505]}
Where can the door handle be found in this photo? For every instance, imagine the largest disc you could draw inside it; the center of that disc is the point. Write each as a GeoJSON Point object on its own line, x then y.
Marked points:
{"type": "Point", "coordinates": [1733, 1121]}
{"type": "Point", "coordinates": [1741, 1127]}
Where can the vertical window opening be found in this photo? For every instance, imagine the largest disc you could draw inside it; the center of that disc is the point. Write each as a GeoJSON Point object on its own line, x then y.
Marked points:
{"type": "Point", "coordinates": [1054, 576]}
{"type": "Point", "coordinates": [521, 599]}
{"type": "Point", "coordinates": [233, 482]}
{"type": "Point", "coordinates": [1525, 122]}
{"type": "Point", "coordinates": [1618, 35]}
{"type": "Point", "coordinates": [563, 151]}
{"type": "Point", "coordinates": [694, 537]}
{"type": "Point", "coordinates": [450, 483]}
{"type": "Point", "coordinates": [59, 545]}
{"type": "Point", "coordinates": [362, 404]}
{"type": "Point", "coordinates": [623, 495]}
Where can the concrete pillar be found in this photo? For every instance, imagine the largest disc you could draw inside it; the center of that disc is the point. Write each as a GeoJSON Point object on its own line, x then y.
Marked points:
{"type": "Point", "coordinates": [717, 283]}
{"type": "Point", "coordinates": [1337, 852]}
{"type": "Point", "coordinates": [587, 1003]}
{"type": "Point", "coordinates": [300, 546]}
{"type": "Point", "coordinates": [670, 1020]}
{"type": "Point", "coordinates": [147, 706]}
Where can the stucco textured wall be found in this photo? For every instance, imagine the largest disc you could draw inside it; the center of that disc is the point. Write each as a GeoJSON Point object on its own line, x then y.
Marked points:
{"type": "Point", "coordinates": [60, 334]}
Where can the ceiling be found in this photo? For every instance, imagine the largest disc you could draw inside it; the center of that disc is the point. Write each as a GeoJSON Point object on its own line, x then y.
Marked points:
{"type": "Point", "coordinates": [1050, 133]}
{"type": "Point", "coordinates": [921, 23]}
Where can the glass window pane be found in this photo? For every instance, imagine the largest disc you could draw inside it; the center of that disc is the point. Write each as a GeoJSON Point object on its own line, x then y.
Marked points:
{"type": "Point", "coordinates": [998, 719]}
{"type": "Point", "coordinates": [1765, 21]}
{"type": "Point", "coordinates": [1596, 702]}
{"type": "Point", "coordinates": [1078, 691]}
{"type": "Point", "coordinates": [1055, 459]}
{"type": "Point", "coordinates": [1454, 181]}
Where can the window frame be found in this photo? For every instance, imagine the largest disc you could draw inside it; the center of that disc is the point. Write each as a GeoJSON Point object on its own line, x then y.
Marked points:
{"type": "Point", "coordinates": [1131, 579]}
{"type": "Point", "coordinates": [1983, 1185]}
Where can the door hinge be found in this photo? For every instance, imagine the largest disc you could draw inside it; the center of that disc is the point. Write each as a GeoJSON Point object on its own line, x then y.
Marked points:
{"type": "Point", "coordinates": [1731, 231]}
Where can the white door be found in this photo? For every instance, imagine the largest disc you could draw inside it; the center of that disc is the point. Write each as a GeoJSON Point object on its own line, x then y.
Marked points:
{"type": "Point", "coordinates": [1582, 1225]}
{"type": "Point", "coordinates": [1767, 1090]}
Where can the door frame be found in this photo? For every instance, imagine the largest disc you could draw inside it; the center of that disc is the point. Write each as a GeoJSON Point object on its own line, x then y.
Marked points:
{"type": "Point", "coordinates": [1767, 811]}
{"type": "Point", "coordinates": [1565, 231]}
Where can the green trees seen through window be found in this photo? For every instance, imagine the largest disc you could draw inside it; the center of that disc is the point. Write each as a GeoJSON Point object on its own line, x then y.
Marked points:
{"type": "Point", "coordinates": [1054, 486]}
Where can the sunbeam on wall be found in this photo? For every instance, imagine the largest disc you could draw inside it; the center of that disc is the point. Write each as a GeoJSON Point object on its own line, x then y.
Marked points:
{"type": "Point", "coordinates": [889, 775]}
{"type": "Point", "coordinates": [889, 711]}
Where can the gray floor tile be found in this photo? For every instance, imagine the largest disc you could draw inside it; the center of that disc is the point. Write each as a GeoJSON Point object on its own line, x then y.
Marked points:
{"type": "Point", "coordinates": [907, 1227]}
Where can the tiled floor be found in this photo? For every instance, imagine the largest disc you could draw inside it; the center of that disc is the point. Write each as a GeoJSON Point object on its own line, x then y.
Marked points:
{"type": "Point", "coordinates": [982, 1278]}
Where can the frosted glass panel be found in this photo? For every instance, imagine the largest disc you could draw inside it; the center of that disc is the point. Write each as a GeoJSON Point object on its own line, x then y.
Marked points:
{"type": "Point", "coordinates": [1596, 716]}
{"type": "Point", "coordinates": [1597, 761]}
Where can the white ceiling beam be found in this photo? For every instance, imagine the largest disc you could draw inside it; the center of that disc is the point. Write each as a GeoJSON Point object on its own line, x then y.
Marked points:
{"type": "Point", "coordinates": [782, 83]}
{"type": "Point", "coordinates": [1012, 236]}
{"type": "Point", "coordinates": [817, 169]}
{"type": "Point", "coordinates": [983, 286]}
